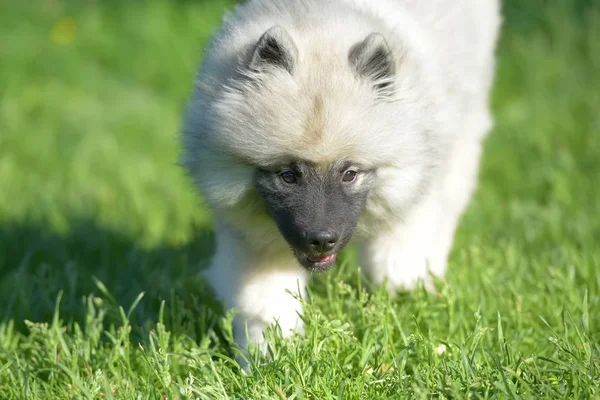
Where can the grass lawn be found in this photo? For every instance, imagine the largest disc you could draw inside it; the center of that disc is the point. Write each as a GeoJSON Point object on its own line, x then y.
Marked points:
{"type": "Point", "coordinates": [102, 235]}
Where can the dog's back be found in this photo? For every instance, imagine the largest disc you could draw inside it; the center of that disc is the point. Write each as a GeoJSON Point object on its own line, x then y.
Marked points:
{"type": "Point", "coordinates": [460, 34]}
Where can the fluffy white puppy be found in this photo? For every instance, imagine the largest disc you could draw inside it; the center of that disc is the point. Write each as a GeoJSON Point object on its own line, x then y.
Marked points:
{"type": "Point", "coordinates": [313, 122]}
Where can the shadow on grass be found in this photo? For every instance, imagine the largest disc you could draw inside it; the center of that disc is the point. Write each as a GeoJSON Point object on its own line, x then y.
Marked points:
{"type": "Point", "coordinates": [37, 265]}
{"type": "Point", "coordinates": [41, 269]}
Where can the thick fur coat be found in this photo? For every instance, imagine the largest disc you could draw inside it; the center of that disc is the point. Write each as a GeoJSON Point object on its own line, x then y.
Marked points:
{"type": "Point", "coordinates": [409, 105]}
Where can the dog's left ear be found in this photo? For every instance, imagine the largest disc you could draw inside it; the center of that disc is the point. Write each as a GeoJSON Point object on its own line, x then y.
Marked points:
{"type": "Point", "coordinates": [372, 59]}
{"type": "Point", "coordinates": [275, 48]}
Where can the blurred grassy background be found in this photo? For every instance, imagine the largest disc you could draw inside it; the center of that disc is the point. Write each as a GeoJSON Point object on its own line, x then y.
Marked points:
{"type": "Point", "coordinates": [91, 94]}
{"type": "Point", "coordinates": [91, 100]}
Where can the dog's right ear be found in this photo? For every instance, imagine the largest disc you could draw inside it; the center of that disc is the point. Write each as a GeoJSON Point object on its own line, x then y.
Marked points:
{"type": "Point", "coordinates": [275, 49]}
{"type": "Point", "coordinates": [373, 60]}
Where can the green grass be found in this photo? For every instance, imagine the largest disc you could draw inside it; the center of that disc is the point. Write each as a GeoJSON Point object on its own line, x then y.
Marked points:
{"type": "Point", "coordinates": [94, 211]}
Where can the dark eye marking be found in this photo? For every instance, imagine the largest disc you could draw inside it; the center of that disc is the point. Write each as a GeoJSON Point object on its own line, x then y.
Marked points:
{"type": "Point", "coordinates": [289, 177]}
{"type": "Point", "coordinates": [349, 176]}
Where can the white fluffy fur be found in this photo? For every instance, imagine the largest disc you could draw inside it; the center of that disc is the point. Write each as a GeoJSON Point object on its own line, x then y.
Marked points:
{"type": "Point", "coordinates": [425, 141]}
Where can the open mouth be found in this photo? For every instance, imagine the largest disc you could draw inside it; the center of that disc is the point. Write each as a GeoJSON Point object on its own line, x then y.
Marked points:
{"type": "Point", "coordinates": [318, 262]}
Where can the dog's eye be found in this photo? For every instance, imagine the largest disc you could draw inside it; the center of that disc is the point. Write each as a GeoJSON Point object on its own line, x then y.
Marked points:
{"type": "Point", "coordinates": [289, 177]}
{"type": "Point", "coordinates": [349, 176]}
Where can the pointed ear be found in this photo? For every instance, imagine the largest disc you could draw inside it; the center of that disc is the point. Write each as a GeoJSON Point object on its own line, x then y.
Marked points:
{"type": "Point", "coordinates": [275, 48]}
{"type": "Point", "coordinates": [372, 59]}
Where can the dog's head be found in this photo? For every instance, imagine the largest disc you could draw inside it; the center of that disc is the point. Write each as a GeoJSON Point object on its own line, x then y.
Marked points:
{"type": "Point", "coordinates": [320, 130]}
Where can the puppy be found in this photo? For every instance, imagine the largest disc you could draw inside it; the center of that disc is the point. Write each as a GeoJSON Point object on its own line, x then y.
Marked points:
{"type": "Point", "coordinates": [316, 122]}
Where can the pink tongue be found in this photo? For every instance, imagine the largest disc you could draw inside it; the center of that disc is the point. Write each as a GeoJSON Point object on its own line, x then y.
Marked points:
{"type": "Point", "coordinates": [322, 258]}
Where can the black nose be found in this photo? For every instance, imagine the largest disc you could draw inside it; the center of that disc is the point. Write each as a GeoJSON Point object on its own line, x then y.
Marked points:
{"type": "Point", "coordinates": [321, 241]}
